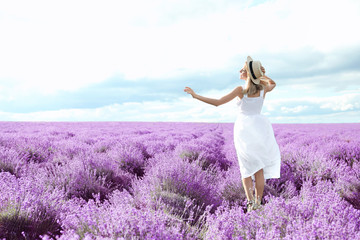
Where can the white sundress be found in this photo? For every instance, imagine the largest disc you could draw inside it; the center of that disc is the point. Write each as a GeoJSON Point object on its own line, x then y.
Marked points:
{"type": "Point", "coordinates": [255, 143]}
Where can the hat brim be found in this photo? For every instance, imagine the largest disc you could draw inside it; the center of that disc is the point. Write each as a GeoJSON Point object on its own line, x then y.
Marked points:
{"type": "Point", "coordinates": [256, 81]}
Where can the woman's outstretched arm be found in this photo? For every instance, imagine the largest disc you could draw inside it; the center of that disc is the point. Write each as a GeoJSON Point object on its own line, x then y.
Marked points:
{"type": "Point", "coordinates": [216, 102]}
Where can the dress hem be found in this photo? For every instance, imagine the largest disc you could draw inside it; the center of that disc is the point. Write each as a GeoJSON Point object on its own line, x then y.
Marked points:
{"type": "Point", "coordinates": [266, 176]}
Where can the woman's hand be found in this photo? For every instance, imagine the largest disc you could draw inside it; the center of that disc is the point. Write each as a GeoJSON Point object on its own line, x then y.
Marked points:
{"type": "Point", "coordinates": [189, 91]}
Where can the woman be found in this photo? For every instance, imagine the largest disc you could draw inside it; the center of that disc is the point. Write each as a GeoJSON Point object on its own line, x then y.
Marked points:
{"type": "Point", "coordinates": [256, 147]}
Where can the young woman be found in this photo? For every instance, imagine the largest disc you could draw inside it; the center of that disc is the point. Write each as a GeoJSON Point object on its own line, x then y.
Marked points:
{"type": "Point", "coordinates": [256, 147]}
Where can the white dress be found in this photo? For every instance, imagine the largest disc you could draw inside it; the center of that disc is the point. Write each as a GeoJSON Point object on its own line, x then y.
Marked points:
{"type": "Point", "coordinates": [254, 139]}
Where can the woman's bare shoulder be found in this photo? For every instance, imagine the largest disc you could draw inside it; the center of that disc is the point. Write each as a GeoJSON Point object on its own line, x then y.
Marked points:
{"type": "Point", "coordinates": [240, 91]}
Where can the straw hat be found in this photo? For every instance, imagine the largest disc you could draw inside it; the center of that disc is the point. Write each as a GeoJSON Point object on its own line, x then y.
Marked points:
{"type": "Point", "coordinates": [255, 70]}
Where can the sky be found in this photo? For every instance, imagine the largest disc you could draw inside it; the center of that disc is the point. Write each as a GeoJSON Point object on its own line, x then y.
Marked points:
{"type": "Point", "coordinates": [131, 60]}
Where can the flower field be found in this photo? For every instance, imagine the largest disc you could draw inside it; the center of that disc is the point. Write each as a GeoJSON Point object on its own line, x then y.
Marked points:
{"type": "Point", "coordinates": [128, 180]}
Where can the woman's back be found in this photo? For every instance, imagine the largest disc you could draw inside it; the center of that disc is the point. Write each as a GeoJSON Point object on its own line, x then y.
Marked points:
{"type": "Point", "coordinates": [251, 105]}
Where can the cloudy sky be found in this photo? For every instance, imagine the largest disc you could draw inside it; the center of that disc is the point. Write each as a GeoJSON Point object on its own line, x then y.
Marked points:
{"type": "Point", "coordinates": [130, 60]}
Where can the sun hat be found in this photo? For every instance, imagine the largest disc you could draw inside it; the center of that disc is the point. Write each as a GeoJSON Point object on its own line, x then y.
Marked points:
{"type": "Point", "coordinates": [254, 70]}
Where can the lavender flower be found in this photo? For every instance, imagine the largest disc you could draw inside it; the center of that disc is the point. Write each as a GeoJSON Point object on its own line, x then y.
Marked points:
{"type": "Point", "coordinates": [127, 180]}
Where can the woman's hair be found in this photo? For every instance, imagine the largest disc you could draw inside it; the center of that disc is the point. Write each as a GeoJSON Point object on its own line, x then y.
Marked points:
{"type": "Point", "coordinates": [251, 88]}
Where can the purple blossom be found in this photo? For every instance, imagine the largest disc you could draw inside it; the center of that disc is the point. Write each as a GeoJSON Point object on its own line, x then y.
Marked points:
{"type": "Point", "coordinates": [128, 180]}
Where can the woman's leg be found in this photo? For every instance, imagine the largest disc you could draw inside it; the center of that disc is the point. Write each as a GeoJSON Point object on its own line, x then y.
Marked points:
{"type": "Point", "coordinates": [248, 186]}
{"type": "Point", "coordinates": [259, 185]}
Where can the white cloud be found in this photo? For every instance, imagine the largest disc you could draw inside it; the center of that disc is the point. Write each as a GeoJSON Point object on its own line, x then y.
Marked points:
{"type": "Point", "coordinates": [286, 110]}
{"type": "Point", "coordinates": [296, 109]}
{"type": "Point", "coordinates": [49, 46]}
{"type": "Point", "coordinates": [349, 101]}
{"type": "Point", "coordinates": [181, 109]}
{"type": "Point", "coordinates": [311, 101]}
{"type": "Point", "coordinates": [73, 43]}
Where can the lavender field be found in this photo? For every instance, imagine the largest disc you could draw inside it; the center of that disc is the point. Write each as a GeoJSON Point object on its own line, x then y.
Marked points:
{"type": "Point", "coordinates": [127, 180]}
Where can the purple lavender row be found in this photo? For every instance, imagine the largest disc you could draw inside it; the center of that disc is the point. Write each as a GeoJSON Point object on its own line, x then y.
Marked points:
{"type": "Point", "coordinates": [126, 180]}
